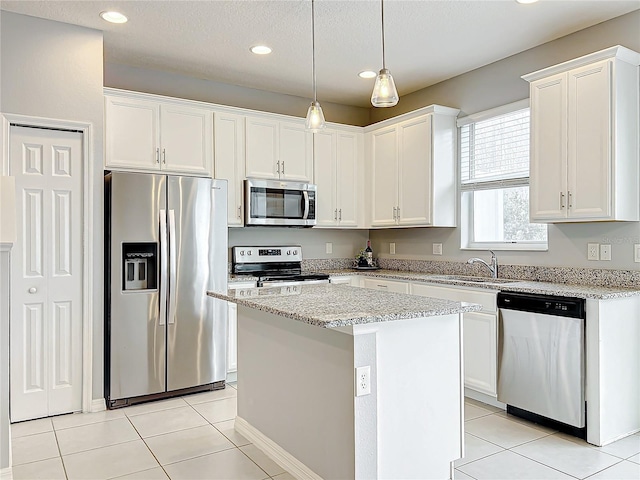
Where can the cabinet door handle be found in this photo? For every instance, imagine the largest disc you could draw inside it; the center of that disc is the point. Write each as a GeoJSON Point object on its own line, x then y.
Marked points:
{"type": "Point", "coordinates": [164, 156]}
{"type": "Point", "coordinates": [157, 155]}
{"type": "Point", "coordinates": [561, 200]}
{"type": "Point", "coordinates": [340, 214]}
{"type": "Point", "coordinates": [398, 210]}
{"type": "Point", "coordinates": [239, 211]}
{"type": "Point", "coordinates": [283, 167]}
{"type": "Point", "coordinates": [570, 199]}
{"type": "Point", "coordinates": [335, 214]}
{"type": "Point", "coordinates": [394, 213]}
{"type": "Point", "coordinates": [278, 167]}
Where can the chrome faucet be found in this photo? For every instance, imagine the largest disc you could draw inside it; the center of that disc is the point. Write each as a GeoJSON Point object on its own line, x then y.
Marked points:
{"type": "Point", "coordinates": [493, 268]}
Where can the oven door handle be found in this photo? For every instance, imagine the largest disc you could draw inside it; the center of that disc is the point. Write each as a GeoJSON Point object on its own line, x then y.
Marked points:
{"type": "Point", "coordinates": [305, 195]}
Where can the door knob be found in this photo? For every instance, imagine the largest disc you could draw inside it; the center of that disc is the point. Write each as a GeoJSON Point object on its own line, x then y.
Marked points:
{"type": "Point", "coordinates": [33, 290]}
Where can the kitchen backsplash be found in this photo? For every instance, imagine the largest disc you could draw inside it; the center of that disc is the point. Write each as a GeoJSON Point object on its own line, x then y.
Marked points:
{"type": "Point", "coordinates": [568, 275]}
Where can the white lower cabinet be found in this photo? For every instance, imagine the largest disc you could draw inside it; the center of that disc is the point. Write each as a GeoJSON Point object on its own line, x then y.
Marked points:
{"type": "Point", "coordinates": [480, 352]}
{"type": "Point", "coordinates": [385, 285]}
{"type": "Point", "coordinates": [479, 331]}
{"type": "Point", "coordinates": [345, 280]}
{"type": "Point", "coordinates": [232, 345]}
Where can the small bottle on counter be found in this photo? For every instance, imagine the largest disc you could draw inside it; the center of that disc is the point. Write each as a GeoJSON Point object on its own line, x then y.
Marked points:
{"type": "Point", "coordinates": [369, 254]}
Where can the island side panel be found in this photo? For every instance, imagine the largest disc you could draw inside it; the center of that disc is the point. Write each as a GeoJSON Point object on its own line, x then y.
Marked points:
{"type": "Point", "coordinates": [613, 369]}
{"type": "Point", "coordinates": [419, 395]}
{"type": "Point", "coordinates": [296, 386]}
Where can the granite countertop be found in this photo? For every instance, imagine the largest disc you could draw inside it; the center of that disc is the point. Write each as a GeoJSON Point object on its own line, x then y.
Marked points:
{"type": "Point", "coordinates": [500, 284]}
{"type": "Point", "coordinates": [331, 306]}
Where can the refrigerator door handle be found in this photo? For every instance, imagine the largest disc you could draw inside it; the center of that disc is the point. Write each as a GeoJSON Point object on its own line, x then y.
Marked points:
{"type": "Point", "coordinates": [173, 266]}
{"type": "Point", "coordinates": [163, 267]}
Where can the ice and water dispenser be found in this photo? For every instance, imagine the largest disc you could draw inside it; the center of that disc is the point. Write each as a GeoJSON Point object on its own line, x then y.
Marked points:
{"type": "Point", "coordinates": [139, 266]}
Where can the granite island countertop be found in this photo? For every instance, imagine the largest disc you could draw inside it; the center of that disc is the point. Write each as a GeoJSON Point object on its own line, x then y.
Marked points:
{"type": "Point", "coordinates": [331, 306]}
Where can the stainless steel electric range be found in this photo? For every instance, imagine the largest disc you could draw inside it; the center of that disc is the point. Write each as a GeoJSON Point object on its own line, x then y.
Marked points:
{"type": "Point", "coordinates": [274, 266]}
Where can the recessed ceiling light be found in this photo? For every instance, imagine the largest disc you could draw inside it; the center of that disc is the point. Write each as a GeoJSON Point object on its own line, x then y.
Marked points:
{"type": "Point", "coordinates": [367, 74]}
{"type": "Point", "coordinates": [526, 1]}
{"type": "Point", "coordinates": [114, 17]}
{"type": "Point", "coordinates": [260, 50]}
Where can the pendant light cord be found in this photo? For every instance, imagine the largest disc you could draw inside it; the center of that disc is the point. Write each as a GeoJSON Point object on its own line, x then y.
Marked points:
{"type": "Point", "coordinates": [313, 50]}
{"type": "Point", "coordinates": [382, 17]}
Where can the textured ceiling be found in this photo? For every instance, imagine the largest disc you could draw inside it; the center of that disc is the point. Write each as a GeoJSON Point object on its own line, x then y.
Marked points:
{"type": "Point", "coordinates": [427, 41]}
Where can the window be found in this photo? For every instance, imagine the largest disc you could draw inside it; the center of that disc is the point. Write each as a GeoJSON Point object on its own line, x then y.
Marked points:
{"type": "Point", "coordinates": [494, 181]}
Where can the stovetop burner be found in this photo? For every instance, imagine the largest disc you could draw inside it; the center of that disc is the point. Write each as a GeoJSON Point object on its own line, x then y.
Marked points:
{"type": "Point", "coordinates": [274, 265]}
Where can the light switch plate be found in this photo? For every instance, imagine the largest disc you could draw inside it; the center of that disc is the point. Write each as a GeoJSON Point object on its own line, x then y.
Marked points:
{"type": "Point", "coordinates": [328, 247]}
{"type": "Point", "coordinates": [392, 248]}
{"type": "Point", "coordinates": [437, 249]}
{"type": "Point", "coordinates": [593, 252]}
{"type": "Point", "coordinates": [605, 252]}
{"type": "Point", "coordinates": [636, 253]}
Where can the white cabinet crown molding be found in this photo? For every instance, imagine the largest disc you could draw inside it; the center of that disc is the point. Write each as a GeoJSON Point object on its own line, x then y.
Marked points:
{"type": "Point", "coordinates": [413, 114]}
{"type": "Point", "coordinates": [618, 51]}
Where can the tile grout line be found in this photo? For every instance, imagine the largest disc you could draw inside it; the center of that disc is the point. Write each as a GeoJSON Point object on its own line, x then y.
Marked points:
{"type": "Point", "coordinates": [55, 434]}
{"type": "Point", "coordinates": [150, 451]}
{"type": "Point", "coordinates": [599, 471]}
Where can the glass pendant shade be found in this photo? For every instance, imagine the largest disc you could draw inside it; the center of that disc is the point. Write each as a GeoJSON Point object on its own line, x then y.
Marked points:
{"type": "Point", "coordinates": [384, 91]}
{"type": "Point", "coordinates": [315, 117]}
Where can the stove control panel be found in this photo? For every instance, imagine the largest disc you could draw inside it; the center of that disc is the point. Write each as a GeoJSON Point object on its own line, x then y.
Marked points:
{"type": "Point", "coordinates": [291, 253]}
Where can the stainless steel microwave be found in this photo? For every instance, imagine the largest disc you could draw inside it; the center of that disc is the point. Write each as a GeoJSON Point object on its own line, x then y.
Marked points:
{"type": "Point", "coordinates": [279, 203]}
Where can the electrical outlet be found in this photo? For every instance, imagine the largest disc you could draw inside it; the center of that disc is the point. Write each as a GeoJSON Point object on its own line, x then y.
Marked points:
{"type": "Point", "coordinates": [328, 247]}
{"type": "Point", "coordinates": [636, 253]}
{"type": "Point", "coordinates": [392, 248]}
{"type": "Point", "coordinates": [363, 381]}
{"type": "Point", "coordinates": [437, 249]}
{"type": "Point", "coordinates": [592, 251]}
{"type": "Point", "coordinates": [605, 252]}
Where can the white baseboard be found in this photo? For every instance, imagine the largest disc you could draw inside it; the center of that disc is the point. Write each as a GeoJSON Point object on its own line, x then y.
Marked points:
{"type": "Point", "coordinates": [484, 398]}
{"type": "Point", "coordinates": [6, 474]}
{"type": "Point", "coordinates": [232, 377]}
{"type": "Point", "coordinates": [98, 405]}
{"type": "Point", "coordinates": [274, 451]}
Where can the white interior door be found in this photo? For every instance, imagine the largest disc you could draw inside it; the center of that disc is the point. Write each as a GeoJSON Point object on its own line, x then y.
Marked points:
{"type": "Point", "coordinates": [46, 273]}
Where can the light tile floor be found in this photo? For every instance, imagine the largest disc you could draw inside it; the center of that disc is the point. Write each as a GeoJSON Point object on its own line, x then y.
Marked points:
{"type": "Point", "coordinates": [192, 437]}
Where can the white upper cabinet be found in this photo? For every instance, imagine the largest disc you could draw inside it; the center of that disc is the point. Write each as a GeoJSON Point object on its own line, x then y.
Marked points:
{"type": "Point", "coordinates": [229, 160]}
{"type": "Point", "coordinates": [132, 133]}
{"type": "Point", "coordinates": [584, 139]}
{"type": "Point", "coordinates": [413, 169]}
{"type": "Point", "coordinates": [186, 135]}
{"type": "Point", "coordinates": [337, 157]}
{"type": "Point", "coordinates": [152, 135]}
{"type": "Point", "coordinates": [278, 149]}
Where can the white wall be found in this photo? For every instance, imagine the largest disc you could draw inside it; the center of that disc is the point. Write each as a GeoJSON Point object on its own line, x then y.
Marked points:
{"type": "Point", "coordinates": [497, 84]}
{"type": "Point", "coordinates": [54, 70]}
{"type": "Point", "coordinates": [181, 86]}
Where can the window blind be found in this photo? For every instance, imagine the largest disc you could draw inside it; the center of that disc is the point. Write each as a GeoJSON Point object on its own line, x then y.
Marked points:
{"type": "Point", "coordinates": [494, 152]}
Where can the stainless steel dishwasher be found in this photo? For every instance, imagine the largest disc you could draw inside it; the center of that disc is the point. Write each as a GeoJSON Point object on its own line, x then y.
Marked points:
{"type": "Point", "coordinates": [541, 359]}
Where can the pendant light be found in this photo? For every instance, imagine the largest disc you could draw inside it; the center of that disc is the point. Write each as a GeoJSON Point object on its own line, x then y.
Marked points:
{"type": "Point", "coordinates": [315, 117]}
{"type": "Point", "coordinates": [384, 91]}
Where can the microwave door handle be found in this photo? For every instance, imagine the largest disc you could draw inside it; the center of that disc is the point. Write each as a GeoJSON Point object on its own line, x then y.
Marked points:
{"type": "Point", "coordinates": [305, 195]}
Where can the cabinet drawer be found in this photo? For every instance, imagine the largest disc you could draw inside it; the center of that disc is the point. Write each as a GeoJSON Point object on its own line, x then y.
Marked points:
{"type": "Point", "coordinates": [486, 299]}
{"type": "Point", "coordinates": [386, 285]}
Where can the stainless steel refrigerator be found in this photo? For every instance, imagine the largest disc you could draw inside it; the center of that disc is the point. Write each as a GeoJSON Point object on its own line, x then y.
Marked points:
{"type": "Point", "coordinates": [165, 246]}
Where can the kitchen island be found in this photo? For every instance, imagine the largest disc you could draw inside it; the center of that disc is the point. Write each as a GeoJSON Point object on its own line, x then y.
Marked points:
{"type": "Point", "coordinates": [299, 396]}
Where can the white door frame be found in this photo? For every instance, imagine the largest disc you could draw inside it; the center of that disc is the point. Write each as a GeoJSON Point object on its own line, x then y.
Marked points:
{"type": "Point", "coordinates": [87, 233]}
